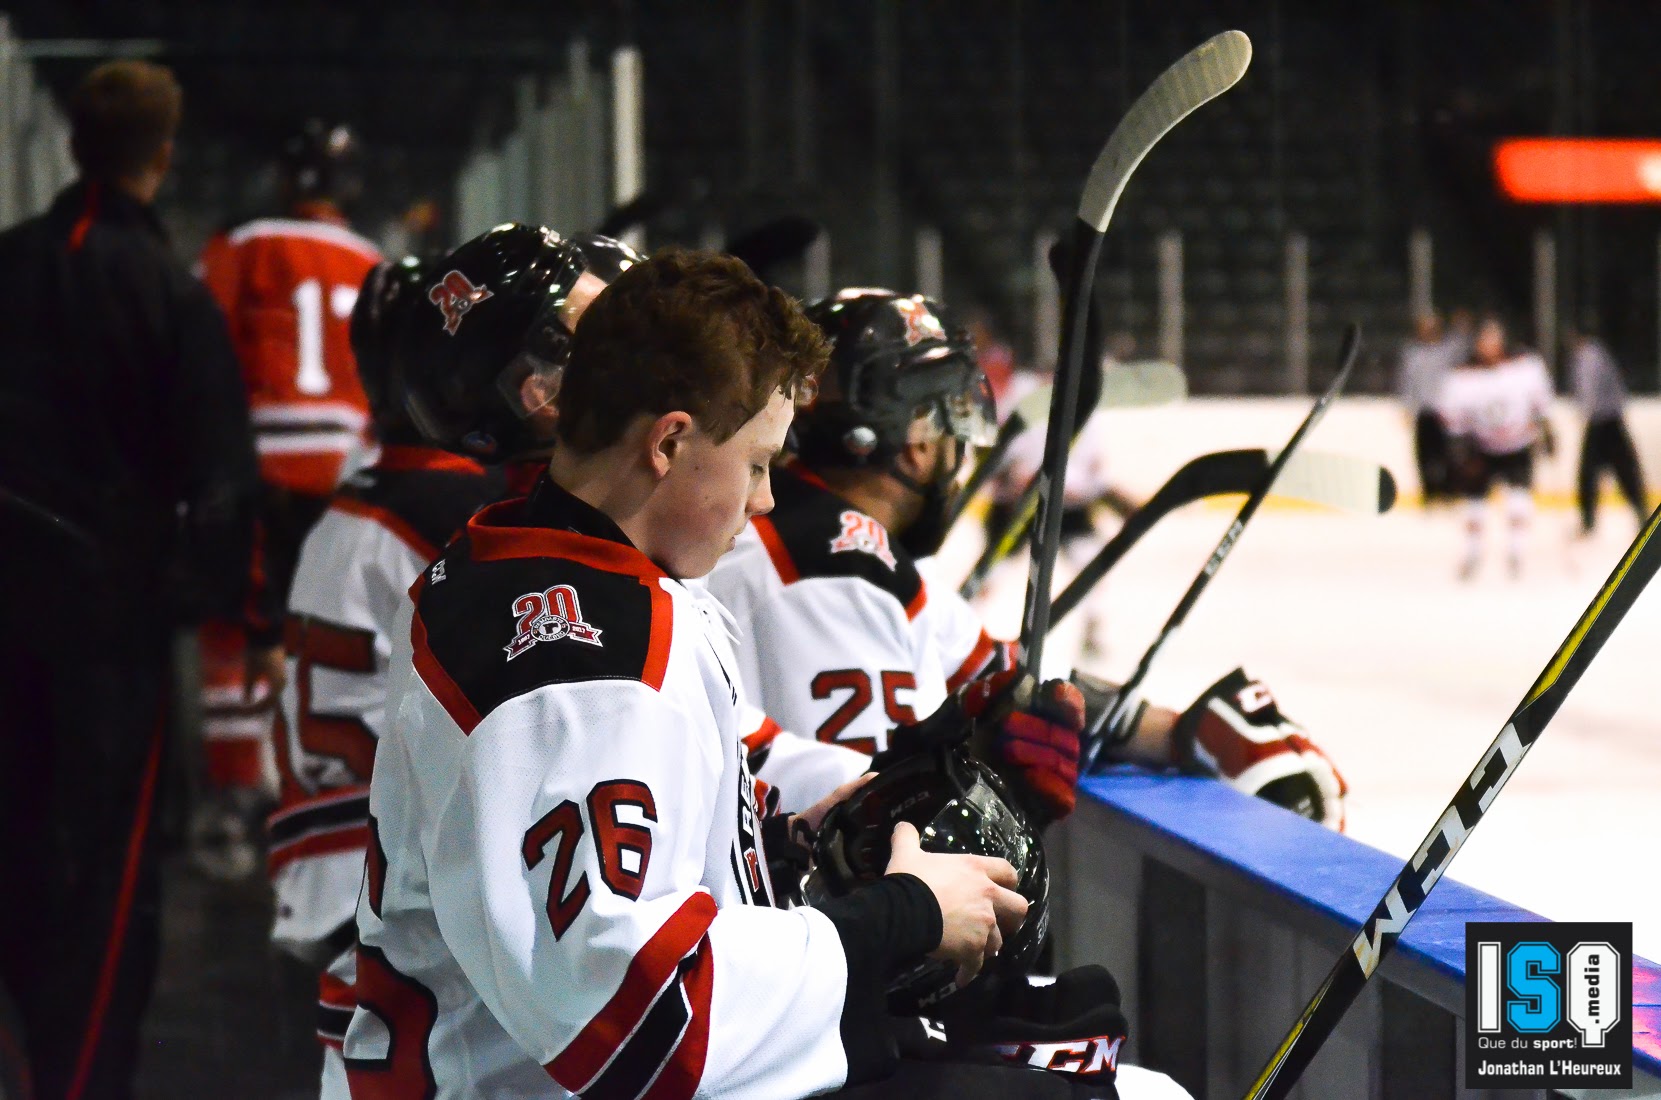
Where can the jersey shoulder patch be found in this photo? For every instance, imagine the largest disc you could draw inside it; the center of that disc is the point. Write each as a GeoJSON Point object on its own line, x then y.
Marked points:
{"type": "Point", "coordinates": [485, 632]}
{"type": "Point", "coordinates": [813, 533]}
{"type": "Point", "coordinates": [424, 508]}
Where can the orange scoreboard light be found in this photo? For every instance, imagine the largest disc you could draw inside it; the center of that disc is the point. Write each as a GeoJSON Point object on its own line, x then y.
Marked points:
{"type": "Point", "coordinates": [1579, 170]}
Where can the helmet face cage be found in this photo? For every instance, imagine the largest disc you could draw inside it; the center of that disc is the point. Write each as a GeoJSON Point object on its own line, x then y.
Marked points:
{"type": "Point", "coordinates": [901, 371]}
{"type": "Point", "coordinates": [473, 378]}
{"type": "Point", "coordinates": [959, 806]}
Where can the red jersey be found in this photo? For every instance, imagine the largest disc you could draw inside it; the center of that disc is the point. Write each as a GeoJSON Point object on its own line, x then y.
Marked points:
{"type": "Point", "coordinates": [287, 286]}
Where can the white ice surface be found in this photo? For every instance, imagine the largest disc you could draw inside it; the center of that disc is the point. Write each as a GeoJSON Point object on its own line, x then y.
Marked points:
{"type": "Point", "coordinates": [1405, 675]}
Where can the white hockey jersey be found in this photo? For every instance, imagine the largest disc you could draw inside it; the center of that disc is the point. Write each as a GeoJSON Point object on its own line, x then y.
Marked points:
{"type": "Point", "coordinates": [567, 888]}
{"type": "Point", "coordinates": [380, 531]}
{"type": "Point", "coordinates": [1087, 469]}
{"type": "Point", "coordinates": [839, 636]}
{"type": "Point", "coordinates": [1500, 407]}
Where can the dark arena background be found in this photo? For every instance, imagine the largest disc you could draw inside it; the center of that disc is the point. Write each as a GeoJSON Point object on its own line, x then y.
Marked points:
{"type": "Point", "coordinates": [1356, 174]}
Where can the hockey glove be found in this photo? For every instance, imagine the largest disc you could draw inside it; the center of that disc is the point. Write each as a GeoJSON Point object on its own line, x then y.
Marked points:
{"type": "Point", "coordinates": [1099, 699]}
{"type": "Point", "coordinates": [1072, 1025]}
{"type": "Point", "coordinates": [1028, 733]}
{"type": "Point", "coordinates": [1236, 731]}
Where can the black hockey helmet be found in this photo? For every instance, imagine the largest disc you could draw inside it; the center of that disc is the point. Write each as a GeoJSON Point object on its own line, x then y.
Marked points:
{"type": "Point", "coordinates": [958, 805]}
{"type": "Point", "coordinates": [895, 361]}
{"type": "Point", "coordinates": [389, 290]}
{"type": "Point", "coordinates": [321, 162]}
{"type": "Point", "coordinates": [478, 358]}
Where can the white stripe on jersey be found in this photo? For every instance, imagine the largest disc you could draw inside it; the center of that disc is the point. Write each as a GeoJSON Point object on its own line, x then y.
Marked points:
{"type": "Point", "coordinates": [313, 230]}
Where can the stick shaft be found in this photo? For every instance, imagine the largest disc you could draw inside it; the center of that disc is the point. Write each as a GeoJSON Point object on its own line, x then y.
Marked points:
{"type": "Point", "coordinates": [1407, 894]}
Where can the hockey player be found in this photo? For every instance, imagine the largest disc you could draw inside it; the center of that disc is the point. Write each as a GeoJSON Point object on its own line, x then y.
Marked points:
{"type": "Point", "coordinates": [383, 527]}
{"type": "Point", "coordinates": [287, 286]}
{"type": "Point", "coordinates": [567, 876]}
{"type": "Point", "coordinates": [841, 637]}
{"type": "Point", "coordinates": [1494, 408]}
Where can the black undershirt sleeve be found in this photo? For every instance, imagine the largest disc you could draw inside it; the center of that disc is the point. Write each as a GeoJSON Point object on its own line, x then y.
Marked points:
{"type": "Point", "coordinates": [884, 927]}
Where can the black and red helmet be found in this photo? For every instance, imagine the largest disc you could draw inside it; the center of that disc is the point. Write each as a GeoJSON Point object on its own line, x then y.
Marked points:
{"type": "Point", "coordinates": [897, 363]}
{"type": "Point", "coordinates": [958, 805]}
{"type": "Point", "coordinates": [389, 290]}
{"type": "Point", "coordinates": [321, 161]}
{"type": "Point", "coordinates": [479, 356]}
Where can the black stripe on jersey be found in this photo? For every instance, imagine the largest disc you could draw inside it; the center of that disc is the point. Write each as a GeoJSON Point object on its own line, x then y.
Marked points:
{"type": "Point", "coordinates": [335, 814]}
{"type": "Point", "coordinates": [434, 503]}
{"type": "Point", "coordinates": [652, 1044]}
{"type": "Point", "coordinates": [471, 624]}
{"type": "Point", "coordinates": [332, 1023]}
{"type": "Point", "coordinates": [808, 519]}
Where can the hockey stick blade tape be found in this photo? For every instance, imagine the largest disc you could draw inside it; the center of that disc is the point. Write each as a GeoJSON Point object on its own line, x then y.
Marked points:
{"type": "Point", "coordinates": [1344, 482]}
{"type": "Point", "coordinates": [1199, 76]}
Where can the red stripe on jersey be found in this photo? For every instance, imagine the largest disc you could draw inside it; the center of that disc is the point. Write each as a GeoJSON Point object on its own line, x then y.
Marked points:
{"type": "Point", "coordinates": [347, 838]}
{"type": "Point", "coordinates": [807, 475]}
{"type": "Point", "coordinates": [681, 1074]}
{"type": "Point", "coordinates": [985, 647]}
{"type": "Point", "coordinates": [334, 992]}
{"type": "Point", "coordinates": [915, 607]}
{"type": "Point", "coordinates": [399, 459]}
{"type": "Point", "coordinates": [449, 696]}
{"type": "Point", "coordinates": [302, 804]}
{"type": "Point", "coordinates": [493, 541]}
{"type": "Point", "coordinates": [78, 234]}
{"type": "Point", "coordinates": [663, 629]}
{"type": "Point", "coordinates": [763, 736]}
{"type": "Point", "coordinates": [652, 967]}
{"type": "Point", "coordinates": [782, 563]}
{"type": "Point", "coordinates": [388, 519]}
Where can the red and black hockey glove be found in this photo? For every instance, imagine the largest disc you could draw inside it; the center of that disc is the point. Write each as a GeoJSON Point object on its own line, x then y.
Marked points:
{"type": "Point", "coordinates": [1235, 731]}
{"type": "Point", "coordinates": [1028, 733]}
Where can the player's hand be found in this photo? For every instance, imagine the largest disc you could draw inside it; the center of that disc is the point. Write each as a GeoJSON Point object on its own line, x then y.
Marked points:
{"type": "Point", "coordinates": [1034, 736]}
{"type": "Point", "coordinates": [814, 816]}
{"type": "Point", "coordinates": [1235, 731]}
{"type": "Point", "coordinates": [978, 902]}
{"type": "Point", "coordinates": [264, 664]}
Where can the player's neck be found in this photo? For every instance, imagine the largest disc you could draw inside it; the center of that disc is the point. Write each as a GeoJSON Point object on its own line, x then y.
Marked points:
{"type": "Point", "coordinates": [613, 482]}
{"type": "Point", "coordinates": [876, 494]}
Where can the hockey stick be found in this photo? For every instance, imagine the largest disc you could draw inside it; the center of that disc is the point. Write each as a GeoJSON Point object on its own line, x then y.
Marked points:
{"type": "Point", "coordinates": [774, 242]}
{"type": "Point", "coordinates": [1407, 894]}
{"type": "Point", "coordinates": [1124, 386]}
{"type": "Point", "coordinates": [1201, 75]}
{"type": "Point", "coordinates": [1319, 478]}
{"type": "Point", "coordinates": [1095, 737]}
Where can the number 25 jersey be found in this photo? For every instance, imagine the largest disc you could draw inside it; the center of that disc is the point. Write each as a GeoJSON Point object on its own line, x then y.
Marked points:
{"type": "Point", "coordinates": [839, 636]}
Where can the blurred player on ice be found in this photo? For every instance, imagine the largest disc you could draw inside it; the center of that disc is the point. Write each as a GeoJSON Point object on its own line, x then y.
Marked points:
{"type": "Point", "coordinates": [287, 285]}
{"type": "Point", "coordinates": [1087, 488]}
{"type": "Point", "coordinates": [1425, 362]}
{"type": "Point", "coordinates": [1602, 397]}
{"type": "Point", "coordinates": [1494, 409]}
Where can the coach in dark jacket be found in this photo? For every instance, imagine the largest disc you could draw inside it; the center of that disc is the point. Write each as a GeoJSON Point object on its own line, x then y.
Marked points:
{"type": "Point", "coordinates": [126, 479]}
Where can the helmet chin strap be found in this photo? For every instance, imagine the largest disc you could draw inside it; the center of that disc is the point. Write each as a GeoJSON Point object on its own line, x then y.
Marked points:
{"type": "Point", "coordinates": [924, 535]}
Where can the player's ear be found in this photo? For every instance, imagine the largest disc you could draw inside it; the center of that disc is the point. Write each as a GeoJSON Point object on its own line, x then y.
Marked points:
{"type": "Point", "coordinates": [666, 441]}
